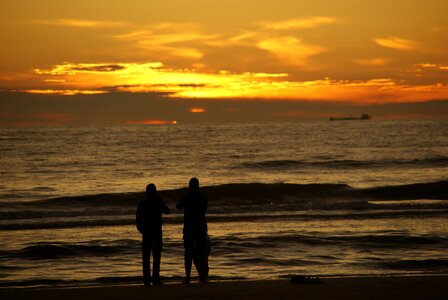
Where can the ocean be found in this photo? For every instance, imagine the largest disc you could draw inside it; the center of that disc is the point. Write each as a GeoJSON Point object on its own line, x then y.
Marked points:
{"type": "Point", "coordinates": [325, 198]}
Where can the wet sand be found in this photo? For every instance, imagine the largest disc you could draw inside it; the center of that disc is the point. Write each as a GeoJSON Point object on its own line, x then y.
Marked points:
{"type": "Point", "coordinates": [406, 287]}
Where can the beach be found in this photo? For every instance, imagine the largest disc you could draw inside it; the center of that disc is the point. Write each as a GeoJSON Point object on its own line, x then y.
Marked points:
{"type": "Point", "coordinates": [405, 287]}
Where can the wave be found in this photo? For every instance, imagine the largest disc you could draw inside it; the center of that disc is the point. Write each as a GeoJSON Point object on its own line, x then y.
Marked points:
{"type": "Point", "coordinates": [264, 261]}
{"type": "Point", "coordinates": [129, 220]}
{"type": "Point", "coordinates": [46, 251]}
{"type": "Point", "coordinates": [36, 283]}
{"type": "Point", "coordinates": [380, 241]}
{"type": "Point", "coordinates": [283, 165]}
{"type": "Point", "coordinates": [233, 202]}
{"type": "Point", "coordinates": [251, 193]}
{"type": "Point", "coordinates": [434, 265]}
{"type": "Point", "coordinates": [223, 246]}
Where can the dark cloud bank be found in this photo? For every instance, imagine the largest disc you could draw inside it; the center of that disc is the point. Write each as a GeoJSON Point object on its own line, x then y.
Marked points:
{"type": "Point", "coordinates": [119, 108]}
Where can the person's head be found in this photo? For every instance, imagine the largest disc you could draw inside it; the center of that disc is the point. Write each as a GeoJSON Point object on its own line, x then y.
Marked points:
{"type": "Point", "coordinates": [194, 183]}
{"type": "Point", "coordinates": [151, 188]}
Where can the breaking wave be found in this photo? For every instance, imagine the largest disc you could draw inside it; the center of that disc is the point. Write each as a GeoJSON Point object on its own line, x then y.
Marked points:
{"type": "Point", "coordinates": [45, 251]}
{"type": "Point", "coordinates": [439, 161]}
{"type": "Point", "coordinates": [233, 202]}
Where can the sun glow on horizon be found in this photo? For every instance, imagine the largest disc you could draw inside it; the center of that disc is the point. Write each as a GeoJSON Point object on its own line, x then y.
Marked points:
{"type": "Point", "coordinates": [152, 122]}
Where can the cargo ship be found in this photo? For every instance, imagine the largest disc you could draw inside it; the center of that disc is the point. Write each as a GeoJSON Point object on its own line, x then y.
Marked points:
{"type": "Point", "coordinates": [363, 117]}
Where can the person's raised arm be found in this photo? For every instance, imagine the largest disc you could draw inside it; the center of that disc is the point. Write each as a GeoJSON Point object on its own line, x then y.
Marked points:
{"type": "Point", "coordinates": [165, 209]}
{"type": "Point", "coordinates": [181, 203]}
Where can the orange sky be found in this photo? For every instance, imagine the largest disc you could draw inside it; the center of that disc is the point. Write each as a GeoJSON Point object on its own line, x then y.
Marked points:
{"type": "Point", "coordinates": [345, 51]}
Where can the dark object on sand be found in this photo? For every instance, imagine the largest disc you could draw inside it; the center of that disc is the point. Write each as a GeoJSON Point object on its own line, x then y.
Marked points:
{"type": "Point", "coordinates": [305, 279]}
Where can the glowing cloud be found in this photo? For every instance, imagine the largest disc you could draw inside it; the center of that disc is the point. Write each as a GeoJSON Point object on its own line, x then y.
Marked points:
{"type": "Point", "coordinates": [72, 79]}
{"type": "Point", "coordinates": [65, 92]}
{"type": "Point", "coordinates": [427, 65]}
{"type": "Point", "coordinates": [178, 36]}
{"type": "Point", "coordinates": [55, 80]}
{"type": "Point", "coordinates": [378, 61]}
{"type": "Point", "coordinates": [432, 66]}
{"type": "Point", "coordinates": [197, 110]}
{"type": "Point", "coordinates": [290, 49]}
{"type": "Point", "coordinates": [299, 23]}
{"type": "Point", "coordinates": [170, 39]}
{"type": "Point", "coordinates": [74, 69]}
{"type": "Point", "coordinates": [145, 77]}
{"type": "Point", "coordinates": [79, 23]}
{"type": "Point", "coordinates": [397, 43]}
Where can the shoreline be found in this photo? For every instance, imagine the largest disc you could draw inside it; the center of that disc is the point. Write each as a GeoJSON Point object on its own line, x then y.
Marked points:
{"type": "Point", "coordinates": [381, 287]}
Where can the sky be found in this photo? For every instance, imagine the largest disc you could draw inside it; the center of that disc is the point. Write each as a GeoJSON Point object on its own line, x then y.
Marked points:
{"type": "Point", "coordinates": [157, 62]}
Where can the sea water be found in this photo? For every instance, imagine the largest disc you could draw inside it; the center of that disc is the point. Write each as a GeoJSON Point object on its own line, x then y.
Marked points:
{"type": "Point", "coordinates": [328, 198]}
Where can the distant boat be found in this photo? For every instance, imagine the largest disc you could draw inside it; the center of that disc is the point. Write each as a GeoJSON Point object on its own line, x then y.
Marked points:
{"type": "Point", "coordinates": [363, 117]}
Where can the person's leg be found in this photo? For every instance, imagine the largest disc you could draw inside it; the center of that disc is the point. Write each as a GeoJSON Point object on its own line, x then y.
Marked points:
{"type": "Point", "coordinates": [196, 260]}
{"type": "Point", "coordinates": [209, 249]}
{"type": "Point", "coordinates": [146, 254]}
{"type": "Point", "coordinates": [201, 256]}
{"type": "Point", "coordinates": [156, 257]}
{"type": "Point", "coordinates": [188, 257]}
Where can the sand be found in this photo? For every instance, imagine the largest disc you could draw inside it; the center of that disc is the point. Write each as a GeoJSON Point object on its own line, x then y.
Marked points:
{"type": "Point", "coordinates": [406, 287]}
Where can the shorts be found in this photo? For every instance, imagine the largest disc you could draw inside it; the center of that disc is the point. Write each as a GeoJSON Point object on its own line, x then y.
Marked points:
{"type": "Point", "coordinates": [196, 246]}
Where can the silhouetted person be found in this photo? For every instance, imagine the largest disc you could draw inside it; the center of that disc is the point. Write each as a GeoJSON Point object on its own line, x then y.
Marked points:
{"type": "Point", "coordinates": [149, 224]}
{"type": "Point", "coordinates": [194, 204]}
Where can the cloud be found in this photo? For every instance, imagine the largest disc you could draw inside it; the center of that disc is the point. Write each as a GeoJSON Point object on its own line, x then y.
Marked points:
{"type": "Point", "coordinates": [378, 61]}
{"type": "Point", "coordinates": [290, 49]}
{"type": "Point", "coordinates": [64, 92]}
{"type": "Point", "coordinates": [55, 80]}
{"type": "Point", "coordinates": [39, 119]}
{"type": "Point", "coordinates": [197, 110]}
{"type": "Point", "coordinates": [239, 39]}
{"type": "Point", "coordinates": [153, 77]}
{"type": "Point", "coordinates": [152, 109]}
{"type": "Point", "coordinates": [267, 37]}
{"type": "Point", "coordinates": [397, 43]}
{"type": "Point", "coordinates": [79, 23]}
{"type": "Point", "coordinates": [84, 68]}
{"type": "Point", "coordinates": [432, 66]}
{"type": "Point", "coordinates": [183, 52]}
{"type": "Point", "coordinates": [141, 77]}
{"type": "Point", "coordinates": [98, 68]}
{"type": "Point", "coordinates": [171, 39]}
{"type": "Point", "coordinates": [186, 40]}
{"type": "Point", "coordinates": [427, 65]}
{"type": "Point", "coordinates": [60, 118]}
{"type": "Point", "coordinates": [299, 23]}
{"type": "Point", "coordinates": [268, 75]}
{"type": "Point", "coordinates": [177, 35]}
